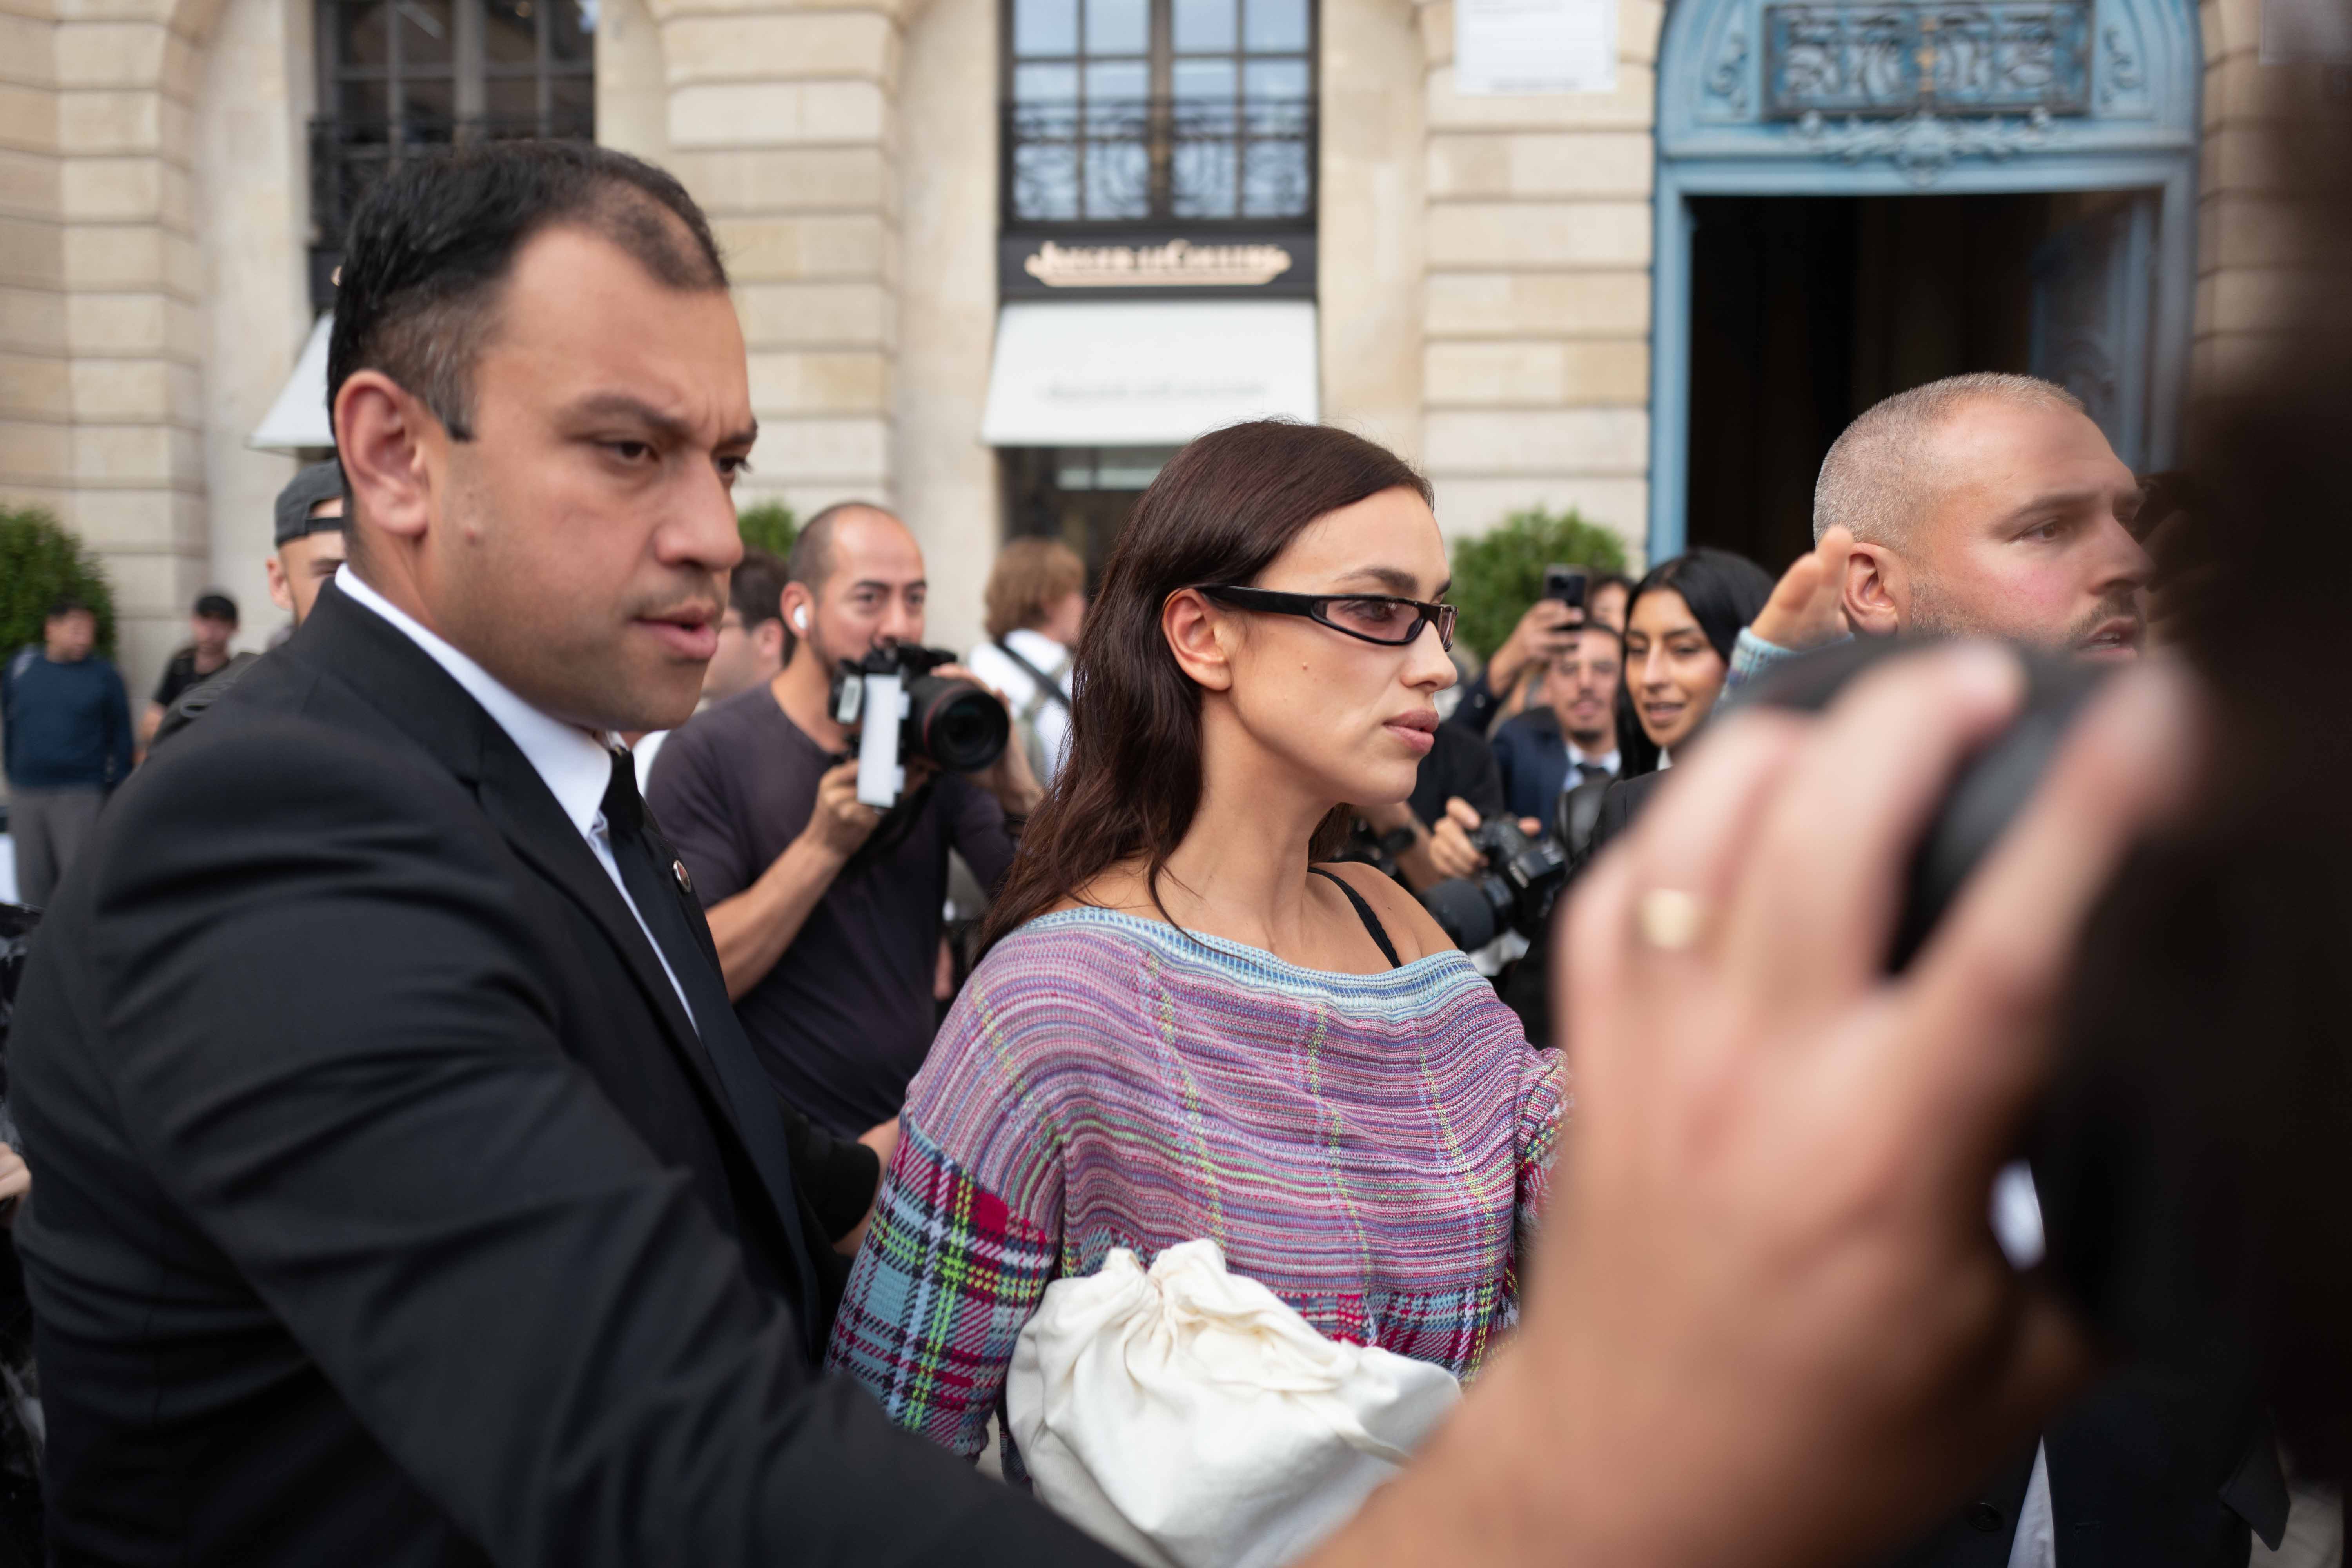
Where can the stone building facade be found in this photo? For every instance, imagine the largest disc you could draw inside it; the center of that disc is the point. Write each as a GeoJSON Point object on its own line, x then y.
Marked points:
{"type": "Point", "coordinates": [1484, 295]}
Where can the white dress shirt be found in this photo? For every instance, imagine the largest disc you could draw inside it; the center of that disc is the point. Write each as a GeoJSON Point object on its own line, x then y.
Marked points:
{"type": "Point", "coordinates": [1612, 760]}
{"type": "Point", "coordinates": [2035, 1545]}
{"type": "Point", "coordinates": [575, 765]}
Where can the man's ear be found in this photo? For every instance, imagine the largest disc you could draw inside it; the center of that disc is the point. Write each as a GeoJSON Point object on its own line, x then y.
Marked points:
{"type": "Point", "coordinates": [769, 638]}
{"type": "Point", "coordinates": [1196, 636]}
{"type": "Point", "coordinates": [281, 593]}
{"type": "Point", "coordinates": [1877, 597]}
{"type": "Point", "coordinates": [390, 444]}
{"type": "Point", "coordinates": [799, 609]}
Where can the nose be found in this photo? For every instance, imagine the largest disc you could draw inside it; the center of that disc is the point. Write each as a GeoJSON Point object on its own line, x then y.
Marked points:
{"type": "Point", "coordinates": [1427, 666]}
{"type": "Point", "coordinates": [1653, 668]}
{"type": "Point", "coordinates": [703, 531]}
{"type": "Point", "coordinates": [901, 623]}
{"type": "Point", "coordinates": [2121, 563]}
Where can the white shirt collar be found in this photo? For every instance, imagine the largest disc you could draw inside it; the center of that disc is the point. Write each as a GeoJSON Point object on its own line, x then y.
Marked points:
{"type": "Point", "coordinates": [575, 765]}
{"type": "Point", "coordinates": [1611, 759]}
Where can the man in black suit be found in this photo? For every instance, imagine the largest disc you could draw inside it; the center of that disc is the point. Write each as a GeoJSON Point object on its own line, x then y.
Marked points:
{"type": "Point", "coordinates": [391, 1118]}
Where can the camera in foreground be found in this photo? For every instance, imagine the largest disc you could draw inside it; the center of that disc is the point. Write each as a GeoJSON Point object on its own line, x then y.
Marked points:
{"type": "Point", "coordinates": [1514, 893]}
{"type": "Point", "coordinates": [904, 713]}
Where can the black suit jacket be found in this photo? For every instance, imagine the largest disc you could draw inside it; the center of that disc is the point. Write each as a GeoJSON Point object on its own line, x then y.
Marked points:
{"type": "Point", "coordinates": [389, 1209]}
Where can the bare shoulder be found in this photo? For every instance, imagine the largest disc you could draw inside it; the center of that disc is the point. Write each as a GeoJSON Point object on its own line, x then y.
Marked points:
{"type": "Point", "coordinates": [1409, 926]}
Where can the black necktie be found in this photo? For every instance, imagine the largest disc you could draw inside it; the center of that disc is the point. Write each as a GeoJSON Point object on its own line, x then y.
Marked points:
{"type": "Point", "coordinates": [657, 884]}
{"type": "Point", "coordinates": [1590, 771]}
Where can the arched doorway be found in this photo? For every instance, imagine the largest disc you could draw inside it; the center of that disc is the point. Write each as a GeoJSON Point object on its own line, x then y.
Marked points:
{"type": "Point", "coordinates": [1855, 198]}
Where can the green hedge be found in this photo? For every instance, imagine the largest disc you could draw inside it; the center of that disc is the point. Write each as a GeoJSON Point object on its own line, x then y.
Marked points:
{"type": "Point", "coordinates": [40, 563]}
{"type": "Point", "coordinates": [1499, 573]}
{"type": "Point", "coordinates": [768, 525]}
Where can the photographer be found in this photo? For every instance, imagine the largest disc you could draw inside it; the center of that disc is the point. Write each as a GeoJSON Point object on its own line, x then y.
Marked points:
{"type": "Point", "coordinates": [825, 910]}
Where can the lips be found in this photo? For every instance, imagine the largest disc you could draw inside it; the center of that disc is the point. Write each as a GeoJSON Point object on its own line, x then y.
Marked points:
{"type": "Point", "coordinates": [1417, 728]}
{"type": "Point", "coordinates": [690, 632]}
{"type": "Point", "coordinates": [2116, 638]}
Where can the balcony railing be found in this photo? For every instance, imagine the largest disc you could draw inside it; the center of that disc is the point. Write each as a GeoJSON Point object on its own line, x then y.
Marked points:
{"type": "Point", "coordinates": [1160, 160]}
{"type": "Point", "coordinates": [349, 155]}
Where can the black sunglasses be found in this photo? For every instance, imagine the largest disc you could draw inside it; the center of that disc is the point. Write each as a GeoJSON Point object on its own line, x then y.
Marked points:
{"type": "Point", "coordinates": [1380, 618]}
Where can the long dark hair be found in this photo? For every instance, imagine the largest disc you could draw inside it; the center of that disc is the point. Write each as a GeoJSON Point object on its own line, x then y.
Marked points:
{"type": "Point", "coordinates": [1221, 511]}
{"type": "Point", "coordinates": [1725, 591]}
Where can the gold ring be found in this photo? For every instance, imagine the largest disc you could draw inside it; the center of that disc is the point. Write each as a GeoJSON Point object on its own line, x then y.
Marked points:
{"type": "Point", "coordinates": [1669, 918]}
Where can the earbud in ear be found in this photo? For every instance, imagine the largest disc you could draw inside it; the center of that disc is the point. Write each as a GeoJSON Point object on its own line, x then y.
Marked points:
{"type": "Point", "coordinates": [800, 619]}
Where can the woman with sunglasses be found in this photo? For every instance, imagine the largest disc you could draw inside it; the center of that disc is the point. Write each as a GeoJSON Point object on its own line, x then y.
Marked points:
{"type": "Point", "coordinates": [1184, 1027]}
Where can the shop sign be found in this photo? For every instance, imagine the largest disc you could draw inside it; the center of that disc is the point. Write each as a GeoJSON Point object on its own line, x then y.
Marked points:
{"type": "Point", "coordinates": [1156, 266]}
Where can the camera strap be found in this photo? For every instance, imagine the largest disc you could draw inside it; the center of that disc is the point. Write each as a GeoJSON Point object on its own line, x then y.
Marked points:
{"type": "Point", "coordinates": [1049, 688]}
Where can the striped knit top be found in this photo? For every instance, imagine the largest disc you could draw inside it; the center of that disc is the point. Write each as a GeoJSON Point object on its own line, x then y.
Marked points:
{"type": "Point", "coordinates": [1371, 1147]}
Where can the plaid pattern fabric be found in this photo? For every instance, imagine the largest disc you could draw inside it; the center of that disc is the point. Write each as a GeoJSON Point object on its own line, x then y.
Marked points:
{"type": "Point", "coordinates": [946, 1279]}
{"type": "Point", "coordinates": [1373, 1149]}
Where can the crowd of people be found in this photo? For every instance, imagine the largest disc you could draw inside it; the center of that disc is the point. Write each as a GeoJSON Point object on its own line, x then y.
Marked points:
{"type": "Point", "coordinates": [500, 1084]}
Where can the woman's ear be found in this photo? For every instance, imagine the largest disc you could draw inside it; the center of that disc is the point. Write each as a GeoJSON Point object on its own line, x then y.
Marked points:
{"type": "Point", "coordinates": [1196, 636]}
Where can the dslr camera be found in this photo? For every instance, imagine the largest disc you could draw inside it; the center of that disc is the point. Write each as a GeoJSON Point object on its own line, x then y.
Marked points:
{"type": "Point", "coordinates": [1514, 893]}
{"type": "Point", "coordinates": [905, 712]}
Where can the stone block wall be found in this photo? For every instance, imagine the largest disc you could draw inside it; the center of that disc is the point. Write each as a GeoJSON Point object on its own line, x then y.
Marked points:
{"type": "Point", "coordinates": [126, 78]}
{"type": "Point", "coordinates": [781, 118]}
{"type": "Point", "coordinates": [1536, 316]}
{"type": "Point", "coordinates": [36, 364]}
{"type": "Point", "coordinates": [2252, 285]}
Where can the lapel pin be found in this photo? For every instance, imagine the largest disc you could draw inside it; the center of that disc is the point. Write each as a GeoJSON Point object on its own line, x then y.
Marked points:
{"type": "Point", "coordinates": [685, 882]}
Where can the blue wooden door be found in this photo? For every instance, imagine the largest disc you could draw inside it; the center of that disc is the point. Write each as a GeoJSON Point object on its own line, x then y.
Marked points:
{"type": "Point", "coordinates": [2094, 286]}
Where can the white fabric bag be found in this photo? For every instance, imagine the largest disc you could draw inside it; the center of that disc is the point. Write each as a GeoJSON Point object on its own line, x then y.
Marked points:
{"type": "Point", "coordinates": [1188, 1418]}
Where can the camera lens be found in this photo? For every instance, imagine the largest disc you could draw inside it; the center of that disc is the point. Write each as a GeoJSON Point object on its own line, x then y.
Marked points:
{"type": "Point", "coordinates": [957, 724]}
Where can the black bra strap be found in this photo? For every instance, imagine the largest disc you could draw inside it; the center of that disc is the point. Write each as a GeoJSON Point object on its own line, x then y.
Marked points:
{"type": "Point", "coordinates": [1364, 911]}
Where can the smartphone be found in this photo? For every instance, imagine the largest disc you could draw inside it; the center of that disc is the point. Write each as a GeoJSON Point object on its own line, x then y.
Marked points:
{"type": "Point", "coordinates": [1566, 584]}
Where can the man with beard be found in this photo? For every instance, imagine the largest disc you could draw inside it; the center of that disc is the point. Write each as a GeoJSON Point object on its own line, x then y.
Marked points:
{"type": "Point", "coordinates": [826, 911]}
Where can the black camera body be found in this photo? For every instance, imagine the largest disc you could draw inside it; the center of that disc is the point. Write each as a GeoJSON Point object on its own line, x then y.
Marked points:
{"type": "Point", "coordinates": [1514, 893]}
{"type": "Point", "coordinates": [905, 712]}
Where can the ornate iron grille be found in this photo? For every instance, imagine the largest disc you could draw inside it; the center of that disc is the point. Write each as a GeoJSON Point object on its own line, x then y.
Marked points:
{"type": "Point", "coordinates": [1158, 160]}
{"type": "Point", "coordinates": [1896, 59]}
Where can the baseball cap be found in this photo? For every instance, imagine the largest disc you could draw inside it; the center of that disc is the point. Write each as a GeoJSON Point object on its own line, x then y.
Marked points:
{"type": "Point", "coordinates": [320, 481]}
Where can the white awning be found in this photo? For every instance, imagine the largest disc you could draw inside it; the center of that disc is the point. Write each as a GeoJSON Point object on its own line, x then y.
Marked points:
{"type": "Point", "coordinates": [299, 417]}
{"type": "Point", "coordinates": [1146, 372]}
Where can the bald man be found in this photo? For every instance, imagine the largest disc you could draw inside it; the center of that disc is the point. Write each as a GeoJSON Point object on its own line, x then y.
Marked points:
{"type": "Point", "coordinates": [1992, 505]}
{"type": "Point", "coordinates": [1984, 503]}
{"type": "Point", "coordinates": [827, 923]}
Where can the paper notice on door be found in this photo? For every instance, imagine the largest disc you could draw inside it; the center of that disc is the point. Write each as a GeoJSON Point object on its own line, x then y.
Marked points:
{"type": "Point", "coordinates": [1525, 47]}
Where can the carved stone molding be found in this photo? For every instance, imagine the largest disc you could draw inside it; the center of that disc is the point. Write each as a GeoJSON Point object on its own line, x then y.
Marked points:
{"type": "Point", "coordinates": [1923, 145]}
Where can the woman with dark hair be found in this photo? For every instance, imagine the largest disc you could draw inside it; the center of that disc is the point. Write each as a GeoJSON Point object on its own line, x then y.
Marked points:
{"type": "Point", "coordinates": [1680, 626]}
{"type": "Point", "coordinates": [1184, 1026]}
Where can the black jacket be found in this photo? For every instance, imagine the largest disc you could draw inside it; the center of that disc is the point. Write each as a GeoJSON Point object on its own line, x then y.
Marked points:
{"type": "Point", "coordinates": [388, 1210]}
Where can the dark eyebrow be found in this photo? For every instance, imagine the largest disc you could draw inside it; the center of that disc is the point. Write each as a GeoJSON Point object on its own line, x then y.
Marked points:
{"type": "Point", "coordinates": [865, 582]}
{"type": "Point", "coordinates": [621, 405]}
{"type": "Point", "coordinates": [1402, 584]}
{"type": "Point", "coordinates": [2056, 500]}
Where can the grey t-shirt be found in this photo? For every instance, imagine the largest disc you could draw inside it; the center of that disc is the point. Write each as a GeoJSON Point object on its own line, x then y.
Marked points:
{"type": "Point", "coordinates": [847, 1016]}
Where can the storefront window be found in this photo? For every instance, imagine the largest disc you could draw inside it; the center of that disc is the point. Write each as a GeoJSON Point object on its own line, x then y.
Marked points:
{"type": "Point", "coordinates": [1079, 495]}
{"type": "Point", "coordinates": [1143, 111]}
{"type": "Point", "coordinates": [402, 77]}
